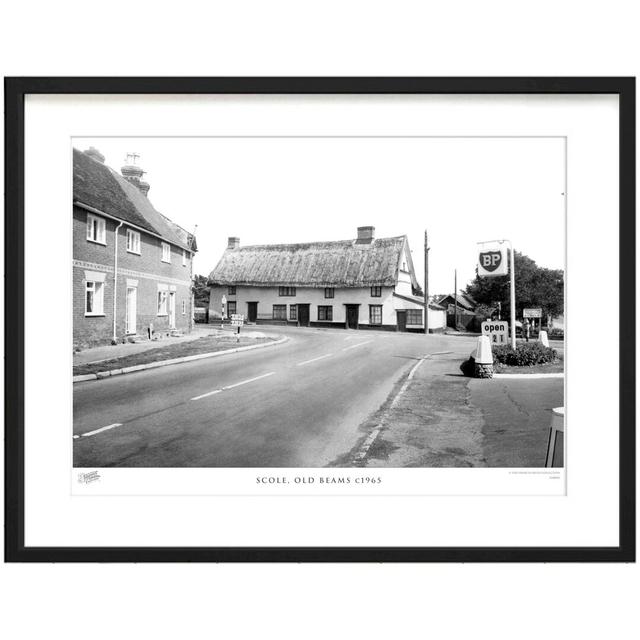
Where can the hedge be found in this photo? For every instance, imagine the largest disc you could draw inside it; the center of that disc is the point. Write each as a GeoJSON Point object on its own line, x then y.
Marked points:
{"type": "Point", "coordinates": [526, 354]}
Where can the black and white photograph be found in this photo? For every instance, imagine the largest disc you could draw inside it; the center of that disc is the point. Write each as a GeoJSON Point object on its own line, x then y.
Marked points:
{"type": "Point", "coordinates": [318, 301]}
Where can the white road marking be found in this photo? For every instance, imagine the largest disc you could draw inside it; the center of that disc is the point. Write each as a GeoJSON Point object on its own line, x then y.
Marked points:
{"type": "Point", "coordinates": [353, 346]}
{"type": "Point", "coordinates": [369, 440]}
{"type": "Point", "coordinates": [101, 429]}
{"type": "Point", "coordinates": [237, 384]}
{"type": "Point", "coordinates": [204, 395]}
{"type": "Point", "coordinates": [326, 355]}
{"type": "Point", "coordinates": [350, 337]}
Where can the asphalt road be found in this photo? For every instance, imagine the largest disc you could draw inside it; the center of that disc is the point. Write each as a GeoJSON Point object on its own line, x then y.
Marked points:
{"type": "Point", "coordinates": [298, 404]}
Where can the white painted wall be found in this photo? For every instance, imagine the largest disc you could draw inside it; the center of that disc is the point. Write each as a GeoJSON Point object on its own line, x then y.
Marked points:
{"type": "Point", "coordinates": [266, 297]}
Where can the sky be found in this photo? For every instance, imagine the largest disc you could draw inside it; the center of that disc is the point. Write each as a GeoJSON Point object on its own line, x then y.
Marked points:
{"type": "Point", "coordinates": [286, 190]}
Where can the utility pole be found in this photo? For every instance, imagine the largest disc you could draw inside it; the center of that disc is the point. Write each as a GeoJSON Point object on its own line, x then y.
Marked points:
{"type": "Point", "coordinates": [455, 298]}
{"type": "Point", "coordinates": [512, 297]}
{"type": "Point", "coordinates": [426, 283]}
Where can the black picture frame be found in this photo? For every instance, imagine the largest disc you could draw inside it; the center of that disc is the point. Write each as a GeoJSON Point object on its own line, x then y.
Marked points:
{"type": "Point", "coordinates": [15, 91]}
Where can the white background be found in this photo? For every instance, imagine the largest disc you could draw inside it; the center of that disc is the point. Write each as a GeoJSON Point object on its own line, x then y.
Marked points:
{"type": "Point", "coordinates": [330, 38]}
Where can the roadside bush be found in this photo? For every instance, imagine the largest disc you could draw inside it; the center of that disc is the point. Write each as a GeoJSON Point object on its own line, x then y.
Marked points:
{"type": "Point", "coordinates": [526, 354]}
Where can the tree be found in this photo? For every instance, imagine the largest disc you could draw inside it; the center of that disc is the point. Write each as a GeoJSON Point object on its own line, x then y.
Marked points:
{"type": "Point", "coordinates": [200, 290]}
{"type": "Point", "coordinates": [536, 287]}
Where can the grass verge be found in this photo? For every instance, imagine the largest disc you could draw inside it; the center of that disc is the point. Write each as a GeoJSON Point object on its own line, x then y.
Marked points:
{"type": "Point", "coordinates": [208, 344]}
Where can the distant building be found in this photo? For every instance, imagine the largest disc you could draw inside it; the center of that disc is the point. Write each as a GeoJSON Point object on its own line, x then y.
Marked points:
{"type": "Point", "coordinates": [132, 266]}
{"type": "Point", "coordinates": [363, 283]}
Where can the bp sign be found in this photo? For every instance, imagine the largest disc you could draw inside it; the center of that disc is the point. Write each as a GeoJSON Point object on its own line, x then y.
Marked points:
{"type": "Point", "coordinates": [493, 262]}
{"type": "Point", "coordinates": [497, 330]}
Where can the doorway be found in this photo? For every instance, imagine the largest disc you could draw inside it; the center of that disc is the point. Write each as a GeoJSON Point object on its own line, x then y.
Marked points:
{"type": "Point", "coordinates": [131, 309]}
{"type": "Point", "coordinates": [303, 315]}
{"type": "Point", "coordinates": [172, 309]}
{"type": "Point", "coordinates": [352, 316]}
{"type": "Point", "coordinates": [252, 311]}
{"type": "Point", "coordinates": [402, 320]}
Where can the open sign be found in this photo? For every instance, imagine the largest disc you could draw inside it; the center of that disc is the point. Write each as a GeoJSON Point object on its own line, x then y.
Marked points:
{"type": "Point", "coordinates": [497, 330]}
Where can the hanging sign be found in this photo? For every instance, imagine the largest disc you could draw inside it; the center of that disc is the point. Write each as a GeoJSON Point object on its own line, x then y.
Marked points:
{"type": "Point", "coordinates": [532, 313]}
{"type": "Point", "coordinates": [493, 261]}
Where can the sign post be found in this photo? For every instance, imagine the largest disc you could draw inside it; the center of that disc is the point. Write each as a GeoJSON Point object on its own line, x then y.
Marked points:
{"type": "Point", "coordinates": [237, 320]}
{"type": "Point", "coordinates": [493, 262]}
{"type": "Point", "coordinates": [224, 304]}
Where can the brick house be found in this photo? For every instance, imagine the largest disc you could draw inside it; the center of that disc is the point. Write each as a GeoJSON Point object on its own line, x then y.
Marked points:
{"type": "Point", "coordinates": [363, 283]}
{"type": "Point", "coordinates": [132, 266]}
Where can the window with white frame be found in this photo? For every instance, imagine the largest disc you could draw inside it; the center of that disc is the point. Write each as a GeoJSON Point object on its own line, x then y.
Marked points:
{"type": "Point", "coordinates": [325, 313]}
{"type": "Point", "coordinates": [162, 302]}
{"type": "Point", "coordinates": [375, 314]}
{"type": "Point", "coordinates": [279, 311]}
{"type": "Point", "coordinates": [414, 316]}
{"type": "Point", "coordinates": [184, 307]}
{"type": "Point", "coordinates": [184, 258]}
{"type": "Point", "coordinates": [231, 307]}
{"type": "Point", "coordinates": [94, 298]}
{"type": "Point", "coordinates": [376, 292]}
{"type": "Point", "coordinates": [133, 241]}
{"type": "Point", "coordinates": [166, 252]}
{"type": "Point", "coordinates": [96, 229]}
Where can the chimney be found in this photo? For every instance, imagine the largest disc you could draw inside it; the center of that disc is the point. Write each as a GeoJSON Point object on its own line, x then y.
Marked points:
{"type": "Point", "coordinates": [133, 173]}
{"type": "Point", "coordinates": [233, 243]}
{"type": "Point", "coordinates": [92, 152]}
{"type": "Point", "coordinates": [365, 235]}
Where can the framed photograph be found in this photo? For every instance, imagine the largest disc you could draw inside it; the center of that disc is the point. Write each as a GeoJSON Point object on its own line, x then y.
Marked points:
{"type": "Point", "coordinates": [320, 319]}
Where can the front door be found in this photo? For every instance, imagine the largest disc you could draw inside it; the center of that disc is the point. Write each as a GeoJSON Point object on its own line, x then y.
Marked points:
{"type": "Point", "coordinates": [252, 311]}
{"type": "Point", "coordinates": [132, 303]}
{"type": "Point", "coordinates": [172, 310]}
{"type": "Point", "coordinates": [303, 315]}
{"type": "Point", "coordinates": [352, 316]}
{"type": "Point", "coordinates": [402, 320]}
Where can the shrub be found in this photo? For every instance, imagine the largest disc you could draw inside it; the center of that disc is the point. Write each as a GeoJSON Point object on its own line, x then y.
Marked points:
{"type": "Point", "coordinates": [526, 354]}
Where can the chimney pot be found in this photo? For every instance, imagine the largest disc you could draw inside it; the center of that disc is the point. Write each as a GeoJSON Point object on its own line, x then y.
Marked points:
{"type": "Point", "coordinates": [233, 243]}
{"type": "Point", "coordinates": [365, 235]}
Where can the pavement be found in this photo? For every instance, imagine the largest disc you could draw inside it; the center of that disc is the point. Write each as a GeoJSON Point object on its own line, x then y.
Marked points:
{"type": "Point", "coordinates": [312, 401]}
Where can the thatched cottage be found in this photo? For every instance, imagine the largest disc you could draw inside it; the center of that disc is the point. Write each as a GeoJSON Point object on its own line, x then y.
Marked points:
{"type": "Point", "coordinates": [364, 283]}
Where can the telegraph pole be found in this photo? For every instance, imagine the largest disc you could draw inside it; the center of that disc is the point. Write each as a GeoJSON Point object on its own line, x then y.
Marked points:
{"type": "Point", "coordinates": [426, 283]}
{"type": "Point", "coordinates": [455, 297]}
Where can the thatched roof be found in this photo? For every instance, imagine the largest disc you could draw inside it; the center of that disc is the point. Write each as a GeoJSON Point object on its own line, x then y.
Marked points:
{"type": "Point", "coordinates": [100, 187]}
{"type": "Point", "coordinates": [343, 263]}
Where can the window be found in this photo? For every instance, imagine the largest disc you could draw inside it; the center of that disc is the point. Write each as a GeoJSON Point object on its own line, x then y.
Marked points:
{"type": "Point", "coordinates": [133, 241]}
{"type": "Point", "coordinates": [329, 292]}
{"type": "Point", "coordinates": [414, 316]}
{"type": "Point", "coordinates": [376, 292]}
{"type": "Point", "coordinates": [184, 258]}
{"type": "Point", "coordinates": [162, 303]}
{"type": "Point", "coordinates": [96, 229]}
{"type": "Point", "coordinates": [166, 252]}
{"type": "Point", "coordinates": [231, 291]}
{"type": "Point", "coordinates": [287, 291]}
{"type": "Point", "coordinates": [231, 308]}
{"type": "Point", "coordinates": [279, 311]}
{"type": "Point", "coordinates": [325, 313]}
{"type": "Point", "coordinates": [293, 312]}
{"type": "Point", "coordinates": [94, 298]}
{"type": "Point", "coordinates": [375, 314]}
{"type": "Point", "coordinates": [184, 307]}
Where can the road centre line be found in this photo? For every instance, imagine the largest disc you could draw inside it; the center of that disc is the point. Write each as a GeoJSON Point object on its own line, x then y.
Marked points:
{"type": "Point", "coordinates": [204, 395]}
{"type": "Point", "coordinates": [353, 346]}
{"type": "Point", "coordinates": [237, 384]}
{"type": "Point", "coordinates": [233, 386]}
{"type": "Point", "coordinates": [326, 355]}
{"type": "Point", "coordinates": [100, 430]}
